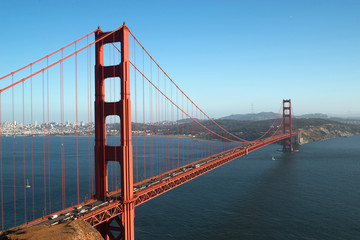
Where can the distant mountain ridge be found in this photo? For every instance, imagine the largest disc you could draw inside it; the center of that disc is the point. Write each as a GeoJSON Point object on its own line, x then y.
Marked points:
{"type": "Point", "coordinates": [252, 116]}
{"type": "Point", "coordinates": [313, 115]}
{"type": "Point", "coordinates": [269, 115]}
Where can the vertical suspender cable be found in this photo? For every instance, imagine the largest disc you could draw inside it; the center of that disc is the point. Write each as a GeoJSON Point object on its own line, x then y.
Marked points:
{"type": "Point", "coordinates": [172, 129]}
{"type": "Point", "coordinates": [167, 130]}
{"type": "Point", "coordinates": [200, 141]}
{"type": "Point", "coordinates": [48, 129]}
{"type": "Point", "coordinates": [163, 146]}
{"type": "Point", "coordinates": [23, 128]}
{"type": "Point", "coordinates": [43, 133]}
{"type": "Point", "coordinates": [136, 125]}
{"type": "Point", "coordinates": [77, 129]}
{"type": "Point", "coordinates": [88, 112]}
{"type": "Point", "coordinates": [62, 132]}
{"type": "Point", "coordinates": [91, 132]}
{"type": "Point", "coordinates": [88, 74]}
{"type": "Point", "coordinates": [13, 120]}
{"type": "Point", "coordinates": [203, 142]}
{"type": "Point", "coordinates": [177, 128]}
{"type": "Point", "coordinates": [206, 142]}
{"type": "Point", "coordinates": [151, 138]}
{"type": "Point", "coordinates": [144, 116]}
{"type": "Point", "coordinates": [32, 146]}
{"type": "Point", "coordinates": [198, 153]}
{"type": "Point", "coordinates": [188, 132]}
{"type": "Point", "coordinates": [203, 154]}
{"type": "Point", "coordinates": [183, 128]}
{"type": "Point", "coordinates": [192, 131]}
{"type": "Point", "coordinates": [159, 125]}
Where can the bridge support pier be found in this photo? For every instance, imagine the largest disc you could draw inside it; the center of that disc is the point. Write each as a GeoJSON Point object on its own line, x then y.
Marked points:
{"type": "Point", "coordinates": [128, 220]}
{"type": "Point", "coordinates": [103, 228]}
{"type": "Point", "coordinates": [287, 126]}
{"type": "Point", "coordinates": [107, 229]}
{"type": "Point", "coordinates": [121, 154]}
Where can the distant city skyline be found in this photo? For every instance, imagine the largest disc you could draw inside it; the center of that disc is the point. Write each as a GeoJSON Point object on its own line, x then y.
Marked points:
{"type": "Point", "coordinates": [230, 57]}
{"type": "Point", "coordinates": [83, 123]}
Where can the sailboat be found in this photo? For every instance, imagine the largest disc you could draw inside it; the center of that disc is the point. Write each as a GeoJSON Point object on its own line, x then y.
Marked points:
{"type": "Point", "coordinates": [27, 184]}
{"type": "Point", "coordinates": [273, 158]}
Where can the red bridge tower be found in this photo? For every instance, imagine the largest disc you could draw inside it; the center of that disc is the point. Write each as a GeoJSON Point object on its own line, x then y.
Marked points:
{"type": "Point", "coordinates": [123, 153]}
{"type": "Point", "coordinates": [287, 126]}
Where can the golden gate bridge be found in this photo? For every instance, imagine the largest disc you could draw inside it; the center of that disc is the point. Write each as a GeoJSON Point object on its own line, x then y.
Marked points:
{"type": "Point", "coordinates": [139, 147]}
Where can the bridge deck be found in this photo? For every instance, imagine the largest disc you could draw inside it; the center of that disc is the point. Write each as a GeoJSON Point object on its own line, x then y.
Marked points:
{"type": "Point", "coordinates": [96, 211]}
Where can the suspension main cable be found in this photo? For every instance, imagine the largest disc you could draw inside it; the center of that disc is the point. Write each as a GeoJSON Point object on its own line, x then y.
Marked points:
{"type": "Point", "coordinates": [180, 108]}
{"type": "Point", "coordinates": [243, 140]}
{"type": "Point", "coordinates": [30, 64]}
{"type": "Point", "coordinates": [59, 61]}
{"type": "Point", "coordinates": [159, 67]}
{"type": "Point", "coordinates": [277, 129]}
{"type": "Point", "coordinates": [277, 117]}
{"type": "Point", "coordinates": [247, 141]}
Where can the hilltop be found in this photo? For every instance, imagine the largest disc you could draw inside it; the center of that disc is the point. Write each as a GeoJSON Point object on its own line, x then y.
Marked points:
{"type": "Point", "coordinates": [271, 115]}
{"type": "Point", "coordinates": [312, 129]}
{"type": "Point", "coordinates": [251, 116]}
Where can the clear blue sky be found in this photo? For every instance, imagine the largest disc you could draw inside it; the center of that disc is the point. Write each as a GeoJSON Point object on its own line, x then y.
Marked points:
{"type": "Point", "coordinates": [226, 55]}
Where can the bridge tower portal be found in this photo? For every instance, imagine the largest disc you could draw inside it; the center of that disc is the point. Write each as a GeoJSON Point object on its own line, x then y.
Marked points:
{"type": "Point", "coordinates": [121, 154]}
{"type": "Point", "coordinates": [287, 125]}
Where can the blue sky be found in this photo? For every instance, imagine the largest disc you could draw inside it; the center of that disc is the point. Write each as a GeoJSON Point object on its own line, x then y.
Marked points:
{"type": "Point", "coordinates": [226, 55]}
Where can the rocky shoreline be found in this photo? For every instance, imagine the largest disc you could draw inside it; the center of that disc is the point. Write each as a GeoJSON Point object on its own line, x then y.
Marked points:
{"type": "Point", "coordinates": [327, 131]}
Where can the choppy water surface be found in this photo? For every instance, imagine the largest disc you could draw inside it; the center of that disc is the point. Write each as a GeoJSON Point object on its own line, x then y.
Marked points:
{"type": "Point", "coordinates": [311, 194]}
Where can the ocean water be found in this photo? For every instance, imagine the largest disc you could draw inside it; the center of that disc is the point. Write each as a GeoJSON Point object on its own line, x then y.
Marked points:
{"type": "Point", "coordinates": [310, 194]}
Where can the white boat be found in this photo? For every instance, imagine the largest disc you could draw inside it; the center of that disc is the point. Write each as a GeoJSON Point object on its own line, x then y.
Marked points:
{"type": "Point", "coordinates": [27, 184]}
{"type": "Point", "coordinates": [273, 158]}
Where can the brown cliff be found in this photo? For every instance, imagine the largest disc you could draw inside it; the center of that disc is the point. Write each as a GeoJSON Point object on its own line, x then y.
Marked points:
{"type": "Point", "coordinates": [326, 131]}
{"type": "Point", "coordinates": [70, 230]}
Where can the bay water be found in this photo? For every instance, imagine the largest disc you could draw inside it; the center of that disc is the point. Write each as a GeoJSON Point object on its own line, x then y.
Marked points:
{"type": "Point", "coordinates": [310, 194]}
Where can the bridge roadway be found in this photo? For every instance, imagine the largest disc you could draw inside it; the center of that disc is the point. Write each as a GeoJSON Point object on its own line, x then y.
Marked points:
{"type": "Point", "coordinates": [96, 212]}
